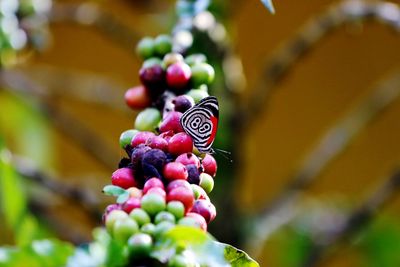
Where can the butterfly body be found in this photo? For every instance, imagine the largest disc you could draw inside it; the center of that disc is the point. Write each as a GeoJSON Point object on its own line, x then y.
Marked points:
{"type": "Point", "coordinates": [201, 123]}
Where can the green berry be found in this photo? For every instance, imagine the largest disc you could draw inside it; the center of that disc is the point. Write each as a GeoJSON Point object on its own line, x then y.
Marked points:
{"type": "Point", "coordinates": [172, 58]}
{"type": "Point", "coordinates": [153, 203]}
{"type": "Point", "coordinates": [202, 73]}
{"type": "Point", "coordinates": [123, 229]}
{"type": "Point", "coordinates": [148, 228]}
{"type": "Point", "coordinates": [163, 227]}
{"type": "Point", "coordinates": [150, 62]}
{"type": "Point", "coordinates": [148, 119]}
{"type": "Point", "coordinates": [145, 48]}
{"type": "Point", "coordinates": [206, 182]}
{"type": "Point", "coordinates": [195, 59]}
{"type": "Point", "coordinates": [126, 137]}
{"type": "Point", "coordinates": [163, 44]}
{"type": "Point", "coordinates": [188, 221]}
{"type": "Point", "coordinates": [197, 94]}
{"type": "Point", "coordinates": [140, 216]}
{"type": "Point", "coordinates": [176, 208]}
{"type": "Point", "coordinates": [140, 245]}
{"type": "Point", "coordinates": [112, 217]}
{"type": "Point", "coordinates": [164, 216]}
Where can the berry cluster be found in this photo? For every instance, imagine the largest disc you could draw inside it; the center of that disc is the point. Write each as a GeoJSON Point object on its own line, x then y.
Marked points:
{"type": "Point", "coordinates": [164, 181]}
{"type": "Point", "coordinates": [22, 23]}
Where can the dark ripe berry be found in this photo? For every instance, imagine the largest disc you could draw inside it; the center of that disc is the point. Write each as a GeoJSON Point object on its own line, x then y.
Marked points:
{"type": "Point", "coordinates": [202, 73]}
{"type": "Point", "coordinates": [137, 155]}
{"type": "Point", "coordinates": [137, 97]}
{"type": "Point", "coordinates": [153, 77]}
{"type": "Point", "coordinates": [206, 182]}
{"type": "Point", "coordinates": [145, 47]}
{"type": "Point", "coordinates": [123, 178]}
{"type": "Point", "coordinates": [209, 165]}
{"type": "Point", "coordinates": [183, 103]}
{"type": "Point", "coordinates": [178, 183]}
{"type": "Point", "coordinates": [153, 162]}
{"type": "Point", "coordinates": [131, 204]}
{"type": "Point", "coordinates": [183, 195]}
{"type": "Point", "coordinates": [152, 183]}
{"type": "Point", "coordinates": [124, 162]}
{"type": "Point", "coordinates": [180, 143]}
{"type": "Point", "coordinates": [163, 44]}
{"type": "Point", "coordinates": [195, 59]}
{"type": "Point", "coordinates": [172, 58]}
{"type": "Point", "coordinates": [171, 122]}
{"type": "Point", "coordinates": [153, 204]}
{"type": "Point", "coordinates": [178, 75]}
{"type": "Point", "coordinates": [158, 142]}
{"type": "Point", "coordinates": [193, 174]}
{"type": "Point", "coordinates": [148, 119]}
{"type": "Point", "coordinates": [204, 208]}
{"type": "Point", "coordinates": [157, 190]}
{"type": "Point", "coordinates": [140, 245]}
{"type": "Point", "coordinates": [199, 219]}
{"type": "Point", "coordinates": [188, 159]}
{"type": "Point", "coordinates": [141, 138]}
{"type": "Point", "coordinates": [109, 209]}
{"type": "Point", "coordinates": [175, 171]}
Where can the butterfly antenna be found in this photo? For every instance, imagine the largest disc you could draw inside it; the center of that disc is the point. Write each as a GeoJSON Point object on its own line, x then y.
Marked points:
{"type": "Point", "coordinates": [223, 153]}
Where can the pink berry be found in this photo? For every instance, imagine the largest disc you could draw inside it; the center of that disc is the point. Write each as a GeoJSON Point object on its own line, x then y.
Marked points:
{"type": "Point", "coordinates": [157, 190]}
{"type": "Point", "coordinates": [141, 138]}
{"type": "Point", "coordinates": [209, 165]}
{"type": "Point", "coordinates": [183, 195]}
{"type": "Point", "coordinates": [204, 208]}
{"type": "Point", "coordinates": [199, 219]}
{"type": "Point", "coordinates": [157, 142]}
{"type": "Point", "coordinates": [175, 171]}
{"type": "Point", "coordinates": [178, 183]}
{"type": "Point", "coordinates": [109, 209]}
{"type": "Point", "coordinates": [131, 204]}
{"type": "Point", "coordinates": [178, 75]}
{"type": "Point", "coordinates": [171, 122]}
{"type": "Point", "coordinates": [123, 178]}
{"type": "Point", "coordinates": [180, 143]}
{"type": "Point", "coordinates": [151, 183]}
{"type": "Point", "coordinates": [188, 159]}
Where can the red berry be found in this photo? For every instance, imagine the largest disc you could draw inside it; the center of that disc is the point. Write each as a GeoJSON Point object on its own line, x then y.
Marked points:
{"type": "Point", "coordinates": [183, 195]}
{"type": "Point", "coordinates": [199, 219]}
{"type": "Point", "coordinates": [131, 204]}
{"type": "Point", "coordinates": [157, 142]}
{"type": "Point", "coordinates": [209, 165]}
{"type": "Point", "coordinates": [204, 208]}
{"type": "Point", "coordinates": [152, 183]}
{"type": "Point", "coordinates": [137, 97]}
{"type": "Point", "coordinates": [188, 159]}
{"type": "Point", "coordinates": [123, 178]}
{"type": "Point", "coordinates": [152, 77]}
{"type": "Point", "coordinates": [178, 183]}
{"type": "Point", "coordinates": [180, 143]}
{"type": "Point", "coordinates": [158, 191]}
{"type": "Point", "coordinates": [172, 122]}
{"type": "Point", "coordinates": [175, 171]}
{"type": "Point", "coordinates": [141, 138]}
{"type": "Point", "coordinates": [178, 75]}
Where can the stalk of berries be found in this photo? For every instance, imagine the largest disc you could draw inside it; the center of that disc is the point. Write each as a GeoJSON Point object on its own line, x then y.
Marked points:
{"type": "Point", "coordinates": [164, 181]}
{"type": "Point", "coordinates": [23, 24]}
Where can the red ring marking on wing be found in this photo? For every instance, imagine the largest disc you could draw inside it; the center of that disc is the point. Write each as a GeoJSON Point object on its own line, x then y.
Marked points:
{"type": "Point", "coordinates": [214, 122]}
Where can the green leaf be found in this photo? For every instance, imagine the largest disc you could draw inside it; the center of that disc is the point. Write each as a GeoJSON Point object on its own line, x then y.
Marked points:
{"type": "Point", "coordinates": [237, 257]}
{"type": "Point", "coordinates": [113, 190]}
{"type": "Point", "coordinates": [123, 197]}
{"type": "Point", "coordinates": [268, 4]}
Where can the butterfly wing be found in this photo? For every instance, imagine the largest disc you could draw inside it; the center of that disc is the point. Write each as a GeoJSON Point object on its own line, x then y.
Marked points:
{"type": "Point", "coordinates": [201, 123]}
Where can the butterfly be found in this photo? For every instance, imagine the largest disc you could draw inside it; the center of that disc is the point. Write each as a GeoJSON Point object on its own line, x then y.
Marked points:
{"type": "Point", "coordinates": [201, 123]}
